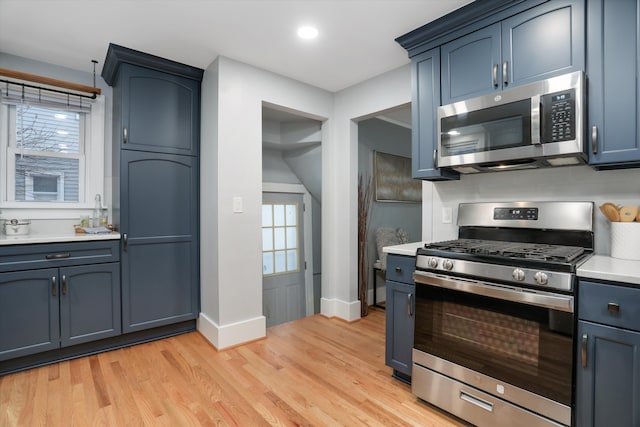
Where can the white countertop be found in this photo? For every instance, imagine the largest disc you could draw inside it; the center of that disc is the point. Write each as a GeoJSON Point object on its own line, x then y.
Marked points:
{"type": "Point", "coordinates": [55, 238]}
{"type": "Point", "coordinates": [613, 269]}
{"type": "Point", "coordinates": [406, 249]}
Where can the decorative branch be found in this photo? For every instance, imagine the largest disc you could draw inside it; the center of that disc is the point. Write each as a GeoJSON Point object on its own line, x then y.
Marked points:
{"type": "Point", "coordinates": [365, 192]}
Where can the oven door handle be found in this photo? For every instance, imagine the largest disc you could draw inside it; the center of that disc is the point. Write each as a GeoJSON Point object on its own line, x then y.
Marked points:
{"type": "Point", "coordinates": [519, 295]}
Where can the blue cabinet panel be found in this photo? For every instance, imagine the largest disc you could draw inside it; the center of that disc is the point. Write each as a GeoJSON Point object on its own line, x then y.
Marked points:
{"type": "Point", "coordinates": [29, 319]}
{"type": "Point", "coordinates": [613, 71]}
{"type": "Point", "coordinates": [89, 303]}
{"type": "Point", "coordinates": [400, 306]}
{"type": "Point", "coordinates": [608, 384]}
{"type": "Point", "coordinates": [425, 77]}
{"type": "Point", "coordinates": [469, 63]}
{"type": "Point", "coordinates": [543, 42]}
{"type": "Point", "coordinates": [159, 111]}
{"type": "Point", "coordinates": [159, 215]}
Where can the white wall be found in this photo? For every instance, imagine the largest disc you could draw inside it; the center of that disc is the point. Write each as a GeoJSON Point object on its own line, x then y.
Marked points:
{"type": "Point", "coordinates": [579, 183]}
{"type": "Point", "coordinates": [231, 159]}
{"type": "Point", "coordinates": [340, 185]}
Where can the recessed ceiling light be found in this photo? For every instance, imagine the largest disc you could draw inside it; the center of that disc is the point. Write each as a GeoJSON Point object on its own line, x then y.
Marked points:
{"type": "Point", "coordinates": [307, 32]}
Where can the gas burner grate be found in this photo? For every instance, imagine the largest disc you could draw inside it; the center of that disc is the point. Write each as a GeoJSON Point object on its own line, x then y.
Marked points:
{"type": "Point", "coordinates": [535, 251]}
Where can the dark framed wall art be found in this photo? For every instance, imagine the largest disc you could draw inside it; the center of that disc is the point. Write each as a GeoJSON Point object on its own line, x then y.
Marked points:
{"type": "Point", "coordinates": [393, 181]}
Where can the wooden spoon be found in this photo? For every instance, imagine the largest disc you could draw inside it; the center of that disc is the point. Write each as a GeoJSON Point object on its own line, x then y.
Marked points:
{"type": "Point", "coordinates": [628, 213]}
{"type": "Point", "coordinates": [610, 211]}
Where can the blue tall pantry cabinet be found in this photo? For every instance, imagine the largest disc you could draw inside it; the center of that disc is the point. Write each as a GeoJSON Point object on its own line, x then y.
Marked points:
{"type": "Point", "coordinates": [156, 135]}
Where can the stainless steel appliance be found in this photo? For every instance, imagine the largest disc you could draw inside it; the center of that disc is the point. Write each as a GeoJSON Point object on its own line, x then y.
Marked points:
{"type": "Point", "coordinates": [535, 125]}
{"type": "Point", "coordinates": [494, 313]}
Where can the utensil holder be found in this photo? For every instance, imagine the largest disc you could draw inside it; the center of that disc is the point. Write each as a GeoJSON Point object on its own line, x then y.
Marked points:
{"type": "Point", "coordinates": [625, 240]}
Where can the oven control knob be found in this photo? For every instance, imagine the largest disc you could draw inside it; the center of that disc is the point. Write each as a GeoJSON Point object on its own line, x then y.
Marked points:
{"type": "Point", "coordinates": [433, 262]}
{"type": "Point", "coordinates": [541, 278]}
{"type": "Point", "coordinates": [518, 275]}
{"type": "Point", "coordinates": [447, 264]}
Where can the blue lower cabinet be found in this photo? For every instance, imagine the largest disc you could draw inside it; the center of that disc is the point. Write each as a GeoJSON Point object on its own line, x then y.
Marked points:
{"type": "Point", "coordinates": [44, 309]}
{"type": "Point", "coordinates": [400, 306]}
{"type": "Point", "coordinates": [608, 355]}
{"type": "Point", "coordinates": [29, 318]}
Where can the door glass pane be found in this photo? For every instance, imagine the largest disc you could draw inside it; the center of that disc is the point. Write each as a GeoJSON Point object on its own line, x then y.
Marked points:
{"type": "Point", "coordinates": [292, 260]}
{"type": "Point", "coordinates": [278, 234]}
{"type": "Point", "coordinates": [278, 215]}
{"type": "Point", "coordinates": [291, 214]}
{"type": "Point", "coordinates": [267, 239]}
{"type": "Point", "coordinates": [267, 263]}
{"type": "Point", "coordinates": [267, 216]}
{"type": "Point", "coordinates": [292, 237]}
{"type": "Point", "coordinates": [280, 261]}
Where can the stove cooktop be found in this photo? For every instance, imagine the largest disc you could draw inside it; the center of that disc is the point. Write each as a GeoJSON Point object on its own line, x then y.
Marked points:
{"type": "Point", "coordinates": [530, 251]}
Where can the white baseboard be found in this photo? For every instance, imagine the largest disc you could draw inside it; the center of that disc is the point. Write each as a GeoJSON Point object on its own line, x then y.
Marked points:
{"type": "Point", "coordinates": [233, 334]}
{"type": "Point", "coordinates": [348, 311]}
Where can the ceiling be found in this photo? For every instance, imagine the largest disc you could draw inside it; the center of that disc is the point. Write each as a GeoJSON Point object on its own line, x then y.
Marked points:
{"type": "Point", "coordinates": [356, 40]}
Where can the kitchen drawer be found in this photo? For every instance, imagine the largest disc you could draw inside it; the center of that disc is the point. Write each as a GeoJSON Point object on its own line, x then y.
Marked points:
{"type": "Point", "coordinates": [609, 304]}
{"type": "Point", "coordinates": [49, 255]}
{"type": "Point", "coordinates": [400, 268]}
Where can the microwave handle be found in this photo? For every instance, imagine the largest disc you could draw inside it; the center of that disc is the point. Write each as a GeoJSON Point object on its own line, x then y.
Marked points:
{"type": "Point", "coordinates": [536, 112]}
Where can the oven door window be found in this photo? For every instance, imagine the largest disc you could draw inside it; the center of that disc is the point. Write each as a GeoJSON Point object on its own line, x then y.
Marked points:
{"type": "Point", "coordinates": [492, 128]}
{"type": "Point", "coordinates": [526, 346]}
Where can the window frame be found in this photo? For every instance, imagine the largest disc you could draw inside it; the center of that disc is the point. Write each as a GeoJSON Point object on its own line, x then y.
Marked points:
{"type": "Point", "coordinates": [91, 167]}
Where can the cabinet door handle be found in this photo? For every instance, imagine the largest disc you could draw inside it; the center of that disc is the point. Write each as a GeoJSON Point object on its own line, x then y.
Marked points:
{"type": "Point", "coordinates": [435, 158]}
{"type": "Point", "coordinates": [125, 242]}
{"type": "Point", "coordinates": [505, 74]}
{"type": "Point", "coordinates": [410, 304]}
{"type": "Point", "coordinates": [58, 256]}
{"type": "Point", "coordinates": [584, 350]}
{"type": "Point", "coordinates": [64, 284]}
{"type": "Point", "coordinates": [54, 286]}
{"type": "Point", "coordinates": [594, 139]}
{"type": "Point", "coordinates": [124, 135]}
{"type": "Point", "coordinates": [495, 75]}
{"type": "Point", "coordinates": [613, 308]}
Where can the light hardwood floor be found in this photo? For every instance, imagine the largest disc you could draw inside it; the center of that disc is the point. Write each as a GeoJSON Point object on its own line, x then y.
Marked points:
{"type": "Point", "coordinates": [314, 371]}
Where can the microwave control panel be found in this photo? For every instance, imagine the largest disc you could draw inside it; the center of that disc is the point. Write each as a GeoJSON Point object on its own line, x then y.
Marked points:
{"type": "Point", "coordinates": [559, 116]}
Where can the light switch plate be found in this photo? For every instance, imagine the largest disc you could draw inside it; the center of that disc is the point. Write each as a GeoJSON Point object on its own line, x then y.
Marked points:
{"type": "Point", "coordinates": [237, 205]}
{"type": "Point", "coordinates": [447, 215]}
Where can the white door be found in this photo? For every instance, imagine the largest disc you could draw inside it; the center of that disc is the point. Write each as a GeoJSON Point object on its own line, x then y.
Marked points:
{"type": "Point", "coordinates": [283, 265]}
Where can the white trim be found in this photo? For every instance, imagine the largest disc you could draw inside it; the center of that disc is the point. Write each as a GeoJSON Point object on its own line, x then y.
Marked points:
{"type": "Point", "coordinates": [349, 311]}
{"type": "Point", "coordinates": [275, 187]}
{"type": "Point", "coordinates": [92, 184]}
{"type": "Point", "coordinates": [233, 334]}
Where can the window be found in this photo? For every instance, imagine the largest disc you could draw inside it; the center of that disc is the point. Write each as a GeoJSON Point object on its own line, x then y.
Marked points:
{"type": "Point", "coordinates": [51, 152]}
{"type": "Point", "coordinates": [280, 252]}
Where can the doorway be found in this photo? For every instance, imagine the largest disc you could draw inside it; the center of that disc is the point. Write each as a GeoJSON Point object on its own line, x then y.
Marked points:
{"type": "Point", "coordinates": [292, 167]}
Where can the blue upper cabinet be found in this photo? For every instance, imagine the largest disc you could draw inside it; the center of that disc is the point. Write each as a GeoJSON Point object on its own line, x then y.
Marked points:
{"type": "Point", "coordinates": [470, 65]}
{"type": "Point", "coordinates": [612, 67]}
{"type": "Point", "coordinates": [538, 43]}
{"type": "Point", "coordinates": [424, 104]}
{"type": "Point", "coordinates": [156, 102]}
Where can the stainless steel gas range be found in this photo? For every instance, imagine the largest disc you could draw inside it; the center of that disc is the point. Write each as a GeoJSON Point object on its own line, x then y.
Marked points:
{"type": "Point", "coordinates": [494, 313]}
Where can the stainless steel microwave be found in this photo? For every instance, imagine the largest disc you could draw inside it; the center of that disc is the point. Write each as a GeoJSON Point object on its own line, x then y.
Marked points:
{"type": "Point", "coordinates": [536, 125]}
